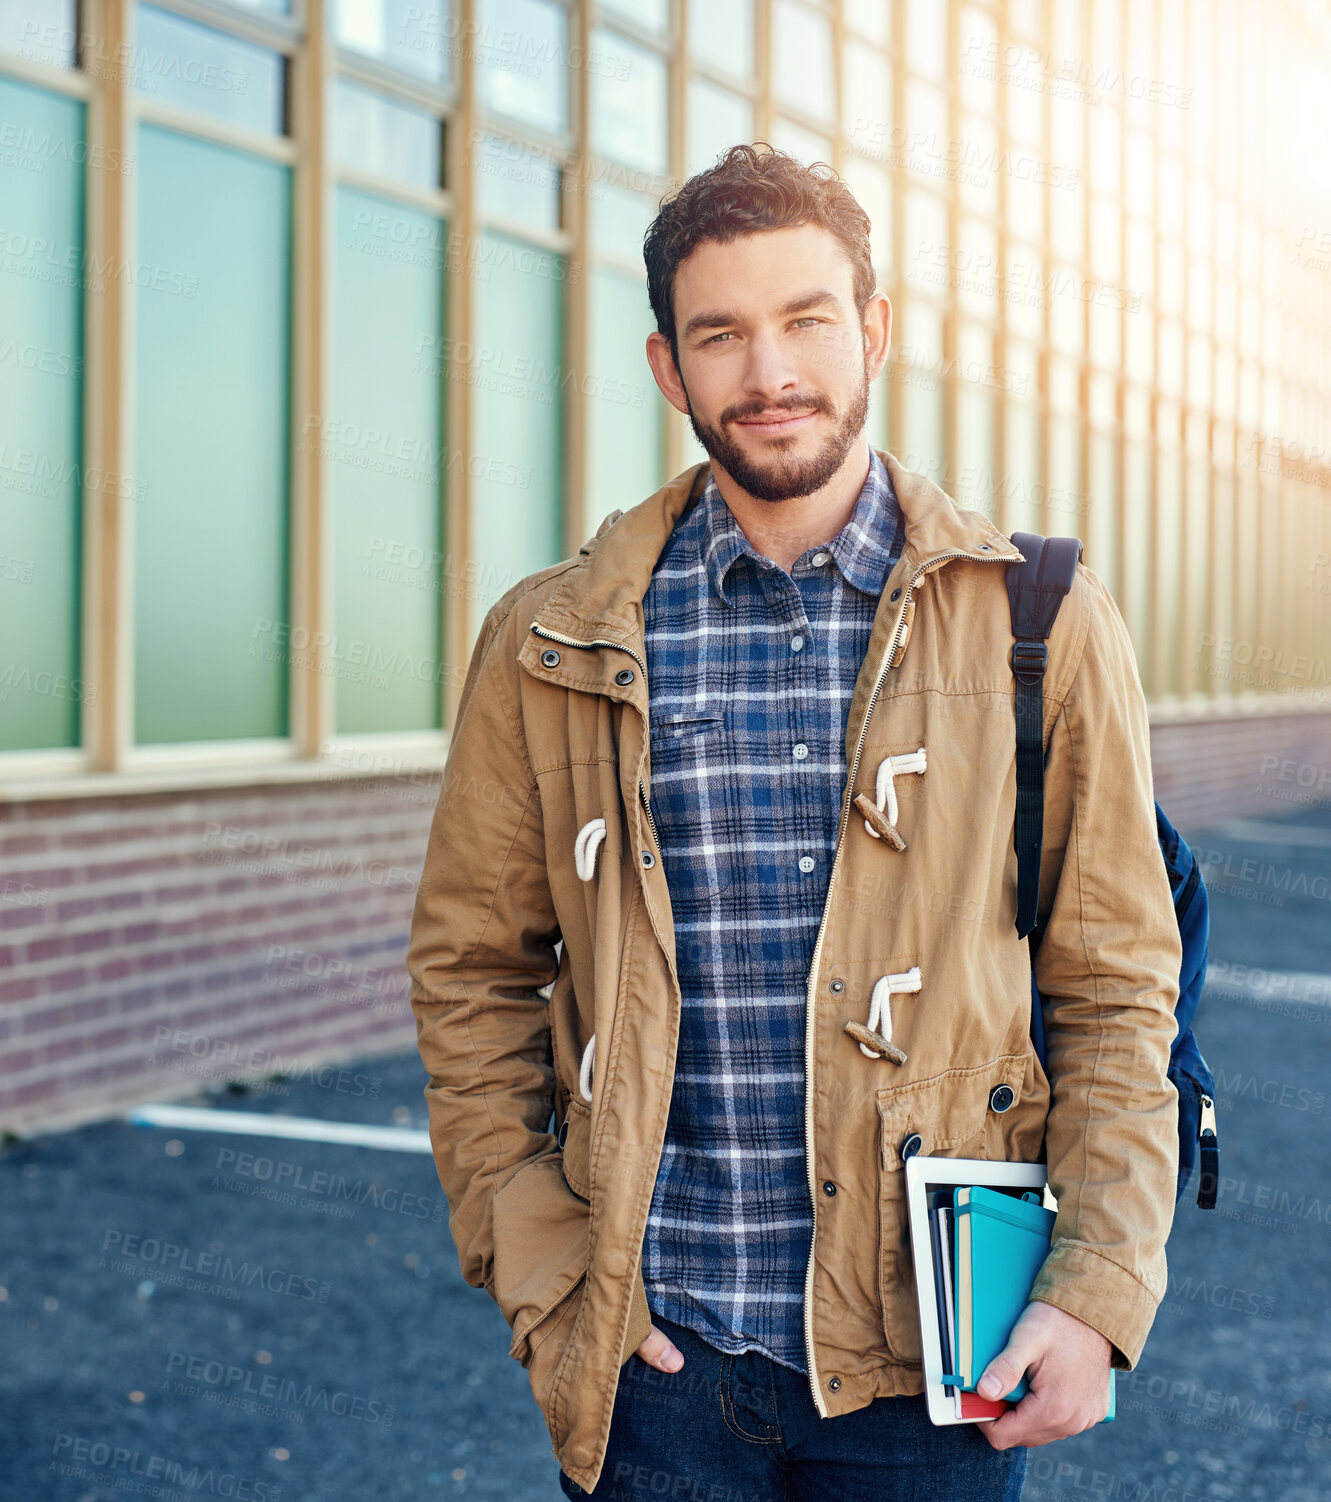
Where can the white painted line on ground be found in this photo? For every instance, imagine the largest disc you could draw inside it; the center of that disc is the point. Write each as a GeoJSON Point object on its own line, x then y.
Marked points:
{"type": "Point", "coordinates": [1302, 987]}
{"type": "Point", "coordinates": [301, 1128]}
{"type": "Point", "coordinates": [1264, 832]}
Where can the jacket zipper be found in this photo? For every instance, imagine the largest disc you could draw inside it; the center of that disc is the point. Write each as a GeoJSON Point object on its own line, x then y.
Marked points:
{"type": "Point", "coordinates": [924, 568]}
{"type": "Point", "coordinates": [569, 641]}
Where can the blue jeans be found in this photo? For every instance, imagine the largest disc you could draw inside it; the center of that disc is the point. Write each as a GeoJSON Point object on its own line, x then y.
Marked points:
{"type": "Point", "coordinates": [744, 1429]}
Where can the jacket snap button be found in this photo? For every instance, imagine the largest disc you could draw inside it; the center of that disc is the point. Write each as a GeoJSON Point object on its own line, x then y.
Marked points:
{"type": "Point", "coordinates": [838, 986]}
{"type": "Point", "coordinates": [1001, 1097]}
{"type": "Point", "coordinates": [563, 1132]}
{"type": "Point", "coordinates": [834, 1383]}
{"type": "Point", "coordinates": [829, 1187]}
{"type": "Point", "coordinates": [911, 1146]}
{"type": "Point", "coordinates": [625, 675]}
{"type": "Point", "coordinates": [550, 658]}
{"type": "Point", "coordinates": [895, 596]}
{"type": "Point", "coordinates": [648, 859]}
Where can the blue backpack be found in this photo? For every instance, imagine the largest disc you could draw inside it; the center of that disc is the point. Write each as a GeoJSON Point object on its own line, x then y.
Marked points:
{"type": "Point", "coordinates": [1035, 591]}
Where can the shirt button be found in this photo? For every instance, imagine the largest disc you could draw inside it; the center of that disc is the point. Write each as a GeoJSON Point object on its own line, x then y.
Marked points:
{"type": "Point", "coordinates": [796, 643]}
{"type": "Point", "coordinates": [806, 863]}
{"type": "Point", "coordinates": [819, 559]}
{"type": "Point", "coordinates": [801, 751]}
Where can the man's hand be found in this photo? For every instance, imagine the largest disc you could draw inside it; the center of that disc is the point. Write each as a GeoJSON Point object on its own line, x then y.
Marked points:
{"type": "Point", "coordinates": [656, 1350]}
{"type": "Point", "coordinates": [1067, 1368]}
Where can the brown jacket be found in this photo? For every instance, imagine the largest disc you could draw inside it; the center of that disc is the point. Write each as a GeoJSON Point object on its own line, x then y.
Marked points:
{"type": "Point", "coordinates": [551, 738]}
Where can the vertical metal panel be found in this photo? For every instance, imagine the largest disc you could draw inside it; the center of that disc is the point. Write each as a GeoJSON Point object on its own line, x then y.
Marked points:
{"type": "Point", "coordinates": [460, 321]}
{"type": "Point", "coordinates": [311, 530]}
{"type": "Point", "coordinates": [109, 415]}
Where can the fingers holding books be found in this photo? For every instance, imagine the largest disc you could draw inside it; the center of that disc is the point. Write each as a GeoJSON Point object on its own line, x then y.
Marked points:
{"type": "Point", "coordinates": [1066, 1363]}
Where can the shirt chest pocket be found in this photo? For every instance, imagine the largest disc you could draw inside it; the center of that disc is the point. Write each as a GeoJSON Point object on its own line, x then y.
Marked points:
{"type": "Point", "coordinates": [688, 756]}
{"type": "Point", "coordinates": [683, 744]}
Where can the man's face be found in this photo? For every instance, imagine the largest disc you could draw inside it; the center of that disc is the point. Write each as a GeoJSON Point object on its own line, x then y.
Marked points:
{"type": "Point", "coordinates": [767, 329]}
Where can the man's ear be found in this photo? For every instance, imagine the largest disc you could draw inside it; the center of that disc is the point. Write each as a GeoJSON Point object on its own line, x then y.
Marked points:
{"type": "Point", "coordinates": [665, 372]}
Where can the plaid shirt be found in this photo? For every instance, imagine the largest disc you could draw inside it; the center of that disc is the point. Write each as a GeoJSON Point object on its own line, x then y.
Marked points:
{"type": "Point", "coordinates": [750, 672]}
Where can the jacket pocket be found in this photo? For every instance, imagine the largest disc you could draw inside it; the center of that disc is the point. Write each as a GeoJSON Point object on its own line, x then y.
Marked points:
{"type": "Point", "coordinates": [541, 1246]}
{"type": "Point", "coordinates": [577, 1149]}
{"type": "Point", "coordinates": [980, 1112]}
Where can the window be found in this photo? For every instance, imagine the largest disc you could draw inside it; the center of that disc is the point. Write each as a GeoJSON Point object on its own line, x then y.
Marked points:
{"type": "Point", "coordinates": [518, 484]}
{"type": "Point", "coordinates": [180, 62]}
{"type": "Point", "coordinates": [211, 648]}
{"type": "Point", "coordinates": [385, 449]}
{"type": "Point", "coordinates": [42, 261]}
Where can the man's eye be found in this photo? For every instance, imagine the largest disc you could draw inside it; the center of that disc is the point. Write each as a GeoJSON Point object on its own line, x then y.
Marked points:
{"type": "Point", "coordinates": [726, 334]}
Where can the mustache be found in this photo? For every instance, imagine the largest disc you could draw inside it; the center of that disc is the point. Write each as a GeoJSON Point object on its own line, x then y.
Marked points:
{"type": "Point", "coordinates": [749, 413]}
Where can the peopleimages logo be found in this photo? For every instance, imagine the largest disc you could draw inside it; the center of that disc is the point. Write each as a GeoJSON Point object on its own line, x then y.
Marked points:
{"type": "Point", "coordinates": [91, 1459]}
{"type": "Point", "coordinates": [182, 1266]}
{"type": "Point", "coordinates": [320, 1183]}
{"type": "Point", "coordinates": [226, 1379]}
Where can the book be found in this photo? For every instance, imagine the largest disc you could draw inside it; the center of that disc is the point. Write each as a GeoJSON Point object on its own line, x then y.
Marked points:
{"type": "Point", "coordinates": [941, 1240]}
{"type": "Point", "coordinates": [937, 1229]}
{"type": "Point", "coordinates": [1000, 1244]}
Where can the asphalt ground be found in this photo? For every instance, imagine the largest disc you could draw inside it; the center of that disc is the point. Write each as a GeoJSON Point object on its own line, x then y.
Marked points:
{"type": "Point", "coordinates": [191, 1314]}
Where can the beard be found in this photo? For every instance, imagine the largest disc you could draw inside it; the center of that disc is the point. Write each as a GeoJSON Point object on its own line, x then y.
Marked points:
{"type": "Point", "coordinates": [778, 476]}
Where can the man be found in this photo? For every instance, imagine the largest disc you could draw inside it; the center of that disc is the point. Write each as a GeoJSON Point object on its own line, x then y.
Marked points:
{"type": "Point", "coordinates": [749, 756]}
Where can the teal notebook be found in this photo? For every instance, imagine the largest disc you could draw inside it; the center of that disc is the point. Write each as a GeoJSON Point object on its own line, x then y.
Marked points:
{"type": "Point", "coordinates": [999, 1245]}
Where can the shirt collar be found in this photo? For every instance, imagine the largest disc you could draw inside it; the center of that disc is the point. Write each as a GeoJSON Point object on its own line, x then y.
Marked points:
{"type": "Point", "coordinates": [862, 550]}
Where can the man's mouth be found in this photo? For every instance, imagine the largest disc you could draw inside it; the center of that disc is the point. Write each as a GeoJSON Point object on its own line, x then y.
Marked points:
{"type": "Point", "coordinates": [777, 422]}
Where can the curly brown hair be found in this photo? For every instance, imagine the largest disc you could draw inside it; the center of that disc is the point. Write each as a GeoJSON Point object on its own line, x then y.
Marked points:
{"type": "Point", "coordinates": [745, 192]}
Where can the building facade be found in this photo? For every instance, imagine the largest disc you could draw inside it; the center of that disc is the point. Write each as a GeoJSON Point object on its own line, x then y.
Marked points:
{"type": "Point", "coordinates": [322, 324]}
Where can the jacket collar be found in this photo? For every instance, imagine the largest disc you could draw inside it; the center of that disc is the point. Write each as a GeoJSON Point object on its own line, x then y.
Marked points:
{"type": "Point", "coordinates": [600, 597]}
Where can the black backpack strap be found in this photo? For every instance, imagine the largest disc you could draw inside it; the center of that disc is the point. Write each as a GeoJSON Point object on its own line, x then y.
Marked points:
{"type": "Point", "coordinates": [1035, 591]}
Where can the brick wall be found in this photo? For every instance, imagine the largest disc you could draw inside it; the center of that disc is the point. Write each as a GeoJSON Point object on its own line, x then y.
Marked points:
{"type": "Point", "coordinates": [1241, 766]}
{"type": "Point", "coordinates": [152, 943]}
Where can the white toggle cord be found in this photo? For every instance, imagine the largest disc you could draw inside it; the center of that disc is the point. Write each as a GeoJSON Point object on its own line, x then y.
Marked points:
{"type": "Point", "coordinates": [584, 857]}
{"type": "Point", "coordinates": [885, 791]}
{"type": "Point", "coordinates": [585, 1069]}
{"type": "Point", "coordinates": [587, 844]}
{"type": "Point", "coordinates": [880, 1004]}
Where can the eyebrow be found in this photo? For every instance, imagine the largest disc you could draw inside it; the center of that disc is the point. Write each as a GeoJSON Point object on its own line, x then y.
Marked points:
{"type": "Point", "coordinates": [723, 318]}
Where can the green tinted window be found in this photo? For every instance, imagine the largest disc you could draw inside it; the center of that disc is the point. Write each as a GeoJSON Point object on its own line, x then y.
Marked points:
{"type": "Point", "coordinates": [384, 446]}
{"type": "Point", "coordinates": [211, 647]}
{"type": "Point", "coordinates": [40, 31]}
{"type": "Point", "coordinates": [378, 135]}
{"type": "Point", "coordinates": [41, 392]}
{"type": "Point", "coordinates": [518, 455]}
{"type": "Point", "coordinates": [624, 405]}
{"type": "Point", "coordinates": [515, 182]}
{"type": "Point", "coordinates": [717, 120]}
{"type": "Point", "coordinates": [405, 33]}
{"type": "Point", "coordinates": [628, 102]}
{"type": "Point", "coordinates": [181, 62]}
{"type": "Point", "coordinates": [522, 61]}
